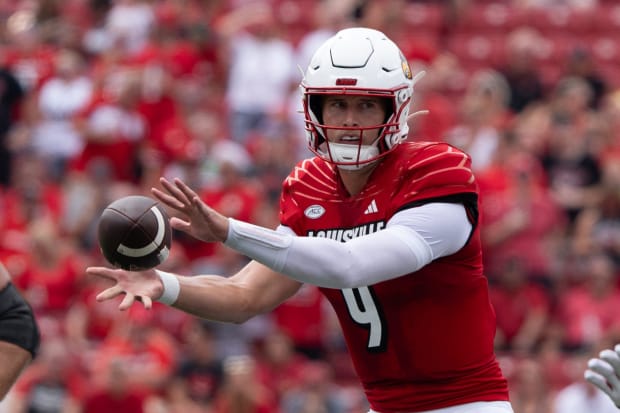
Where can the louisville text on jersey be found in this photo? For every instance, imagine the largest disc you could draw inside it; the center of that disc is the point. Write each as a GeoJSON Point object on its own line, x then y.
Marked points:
{"type": "Point", "coordinates": [347, 234]}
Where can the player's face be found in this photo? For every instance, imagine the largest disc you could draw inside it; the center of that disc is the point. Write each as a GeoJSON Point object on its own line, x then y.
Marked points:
{"type": "Point", "coordinates": [353, 112]}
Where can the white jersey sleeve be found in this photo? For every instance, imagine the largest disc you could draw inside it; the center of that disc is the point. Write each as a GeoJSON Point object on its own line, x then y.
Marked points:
{"type": "Point", "coordinates": [412, 239]}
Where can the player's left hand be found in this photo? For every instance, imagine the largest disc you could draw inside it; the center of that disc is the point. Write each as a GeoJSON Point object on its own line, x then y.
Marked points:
{"type": "Point", "coordinates": [203, 222]}
{"type": "Point", "coordinates": [143, 286]}
{"type": "Point", "coordinates": [604, 373]}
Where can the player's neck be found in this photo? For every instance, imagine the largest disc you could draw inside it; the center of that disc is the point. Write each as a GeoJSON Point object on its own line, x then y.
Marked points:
{"type": "Point", "coordinates": [355, 181]}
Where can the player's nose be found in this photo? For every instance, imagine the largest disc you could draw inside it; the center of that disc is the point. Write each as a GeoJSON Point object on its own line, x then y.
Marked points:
{"type": "Point", "coordinates": [351, 117]}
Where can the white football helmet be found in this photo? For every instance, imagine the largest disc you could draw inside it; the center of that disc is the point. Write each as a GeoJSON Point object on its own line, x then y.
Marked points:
{"type": "Point", "coordinates": [357, 62]}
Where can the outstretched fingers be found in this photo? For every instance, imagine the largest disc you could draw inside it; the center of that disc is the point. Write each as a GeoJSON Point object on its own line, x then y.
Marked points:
{"type": "Point", "coordinates": [612, 369]}
{"type": "Point", "coordinates": [186, 190]}
{"type": "Point", "coordinates": [147, 302]}
{"type": "Point", "coordinates": [602, 374]}
{"type": "Point", "coordinates": [167, 199]}
{"type": "Point", "coordinates": [180, 224]}
{"type": "Point", "coordinates": [175, 197]}
{"type": "Point", "coordinates": [103, 272]}
{"type": "Point", "coordinates": [612, 358]}
{"type": "Point", "coordinates": [110, 293]}
{"type": "Point", "coordinates": [128, 300]}
{"type": "Point", "coordinates": [598, 380]}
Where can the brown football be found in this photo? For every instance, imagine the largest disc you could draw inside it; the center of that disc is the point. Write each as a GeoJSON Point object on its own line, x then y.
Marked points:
{"type": "Point", "coordinates": [134, 233]}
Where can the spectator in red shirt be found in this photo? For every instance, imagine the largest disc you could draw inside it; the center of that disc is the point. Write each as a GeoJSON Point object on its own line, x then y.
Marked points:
{"type": "Point", "coordinates": [317, 392]}
{"type": "Point", "coordinates": [597, 228]}
{"type": "Point", "coordinates": [30, 196]}
{"type": "Point", "coordinates": [573, 169]}
{"type": "Point", "coordinates": [437, 93]}
{"type": "Point", "coordinates": [309, 305]}
{"type": "Point", "coordinates": [114, 129]}
{"type": "Point", "coordinates": [28, 55]}
{"type": "Point", "coordinates": [144, 349]}
{"type": "Point", "coordinates": [518, 215]}
{"type": "Point", "coordinates": [87, 326]}
{"type": "Point", "coordinates": [279, 367]}
{"type": "Point", "coordinates": [484, 115]}
{"type": "Point", "coordinates": [231, 191]}
{"type": "Point", "coordinates": [199, 371]}
{"type": "Point", "coordinates": [52, 276]}
{"type": "Point", "coordinates": [242, 391]}
{"type": "Point", "coordinates": [524, 77]}
{"type": "Point", "coordinates": [522, 308]}
{"type": "Point", "coordinates": [587, 310]}
{"type": "Point", "coordinates": [116, 395]}
{"type": "Point", "coordinates": [530, 392]}
{"type": "Point", "coordinates": [53, 383]}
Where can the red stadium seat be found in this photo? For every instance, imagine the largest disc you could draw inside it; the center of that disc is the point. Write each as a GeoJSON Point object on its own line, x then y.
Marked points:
{"type": "Point", "coordinates": [559, 19]}
{"type": "Point", "coordinates": [607, 19]}
{"type": "Point", "coordinates": [419, 44]}
{"type": "Point", "coordinates": [489, 17]}
{"type": "Point", "coordinates": [611, 74]}
{"type": "Point", "coordinates": [478, 50]}
{"type": "Point", "coordinates": [425, 17]}
{"type": "Point", "coordinates": [555, 47]}
{"type": "Point", "coordinates": [605, 49]}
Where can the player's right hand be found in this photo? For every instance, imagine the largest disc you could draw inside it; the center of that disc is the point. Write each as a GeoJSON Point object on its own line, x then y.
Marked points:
{"type": "Point", "coordinates": [144, 286]}
{"type": "Point", "coordinates": [201, 221]}
{"type": "Point", "coordinates": [604, 373]}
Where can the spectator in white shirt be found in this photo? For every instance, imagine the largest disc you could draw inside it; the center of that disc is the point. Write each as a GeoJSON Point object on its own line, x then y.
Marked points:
{"type": "Point", "coordinates": [54, 135]}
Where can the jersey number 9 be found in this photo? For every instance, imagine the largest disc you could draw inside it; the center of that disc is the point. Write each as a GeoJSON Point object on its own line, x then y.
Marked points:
{"type": "Point", "coordinates": [365, 312]}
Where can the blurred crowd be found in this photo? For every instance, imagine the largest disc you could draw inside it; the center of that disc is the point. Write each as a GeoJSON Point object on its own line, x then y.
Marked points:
{"type": "Point", "coordinates": [99, 98]}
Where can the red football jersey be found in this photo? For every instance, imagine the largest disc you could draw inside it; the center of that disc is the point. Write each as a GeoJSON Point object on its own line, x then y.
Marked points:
{"type": "Point", "coordinates": [424, 340]}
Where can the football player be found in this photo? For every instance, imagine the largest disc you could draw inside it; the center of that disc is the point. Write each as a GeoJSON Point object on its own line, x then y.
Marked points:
{"type": "Point", "coordinates": [604, 372]}
{"type": "Point", "coordinates": [19, 333]}
{"type": "Point", "coordinates": [388, 229]}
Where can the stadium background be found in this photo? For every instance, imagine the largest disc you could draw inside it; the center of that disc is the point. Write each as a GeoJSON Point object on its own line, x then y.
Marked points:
{"type": "Point", "coordinates": [100, 97]}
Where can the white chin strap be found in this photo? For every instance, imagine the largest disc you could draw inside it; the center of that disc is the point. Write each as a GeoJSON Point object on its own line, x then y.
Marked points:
{"type": "Point", "coordinates": [352, 156]}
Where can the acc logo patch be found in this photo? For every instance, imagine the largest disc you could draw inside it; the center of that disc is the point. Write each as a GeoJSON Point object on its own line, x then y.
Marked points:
{"type": "Point", "coordinates": [405, 66]}
{"type": "Point", "coordinates": [314, 211]}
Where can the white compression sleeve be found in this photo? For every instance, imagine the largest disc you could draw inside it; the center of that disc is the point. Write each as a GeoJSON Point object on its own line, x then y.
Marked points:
{"type": "Point", "coordinates": [412, 239]}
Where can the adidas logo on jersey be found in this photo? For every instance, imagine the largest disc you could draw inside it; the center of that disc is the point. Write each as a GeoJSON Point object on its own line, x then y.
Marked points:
{"type": "Point", "coordinates": [372, 208]}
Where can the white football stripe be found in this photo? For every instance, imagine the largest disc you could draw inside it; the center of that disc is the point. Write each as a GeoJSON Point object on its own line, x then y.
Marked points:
{"type": "Point", "coordinates": [150, 247]}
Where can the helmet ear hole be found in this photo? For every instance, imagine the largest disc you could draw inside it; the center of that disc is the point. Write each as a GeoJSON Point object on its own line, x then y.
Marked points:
{"type": "Point", "coordinates": [316, 106]}
{"type": "Point", "coordinates": [388, 106]}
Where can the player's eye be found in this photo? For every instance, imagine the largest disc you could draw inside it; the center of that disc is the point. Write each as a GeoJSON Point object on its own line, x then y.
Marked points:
{"type": "Point", "coordinates": [336, 104]}
{"type": "Point", "coordinates": [368, 104]}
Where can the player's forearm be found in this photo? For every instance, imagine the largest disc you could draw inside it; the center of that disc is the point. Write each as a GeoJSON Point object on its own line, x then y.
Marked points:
{"type": "Point", "coordinates": [215, 298]}
{"type": "Point", "coordinates": [254, 290]}
{"type": "Point", "coordinates": [328, 263]}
